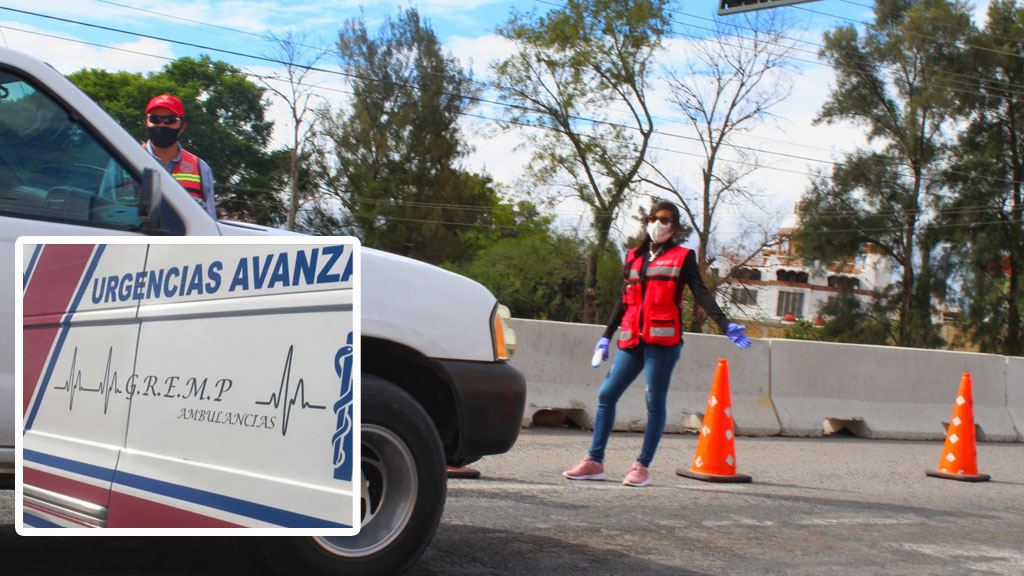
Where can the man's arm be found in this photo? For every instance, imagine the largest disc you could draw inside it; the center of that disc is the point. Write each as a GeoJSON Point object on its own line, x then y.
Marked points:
{"type": "Point", "coordinates": [206, 177]}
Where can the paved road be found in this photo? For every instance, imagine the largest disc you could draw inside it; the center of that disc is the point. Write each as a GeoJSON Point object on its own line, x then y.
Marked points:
{"type": "Point", "coordinates": [833, 505]}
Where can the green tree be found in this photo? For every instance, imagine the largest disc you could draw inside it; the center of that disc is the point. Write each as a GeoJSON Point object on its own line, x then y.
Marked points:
{"type": "Point", "coordinates": [539, 275]}
{"type": "Point", "coordinates": [391, 166]}
{"type": "Point", "coordinates": [983, 219]}
{"type": "Point", "coordinates": [898, 82]}
{"type": "Point", "coordinates": [849, 320]}
{"type": "Point", "coordinates": [571, 66]}
{"type": "Point", "coordinates": [227, 126]}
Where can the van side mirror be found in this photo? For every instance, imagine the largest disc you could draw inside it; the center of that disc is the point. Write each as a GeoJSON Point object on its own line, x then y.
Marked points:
{"type": "Point", "coordinates": [149, 200]}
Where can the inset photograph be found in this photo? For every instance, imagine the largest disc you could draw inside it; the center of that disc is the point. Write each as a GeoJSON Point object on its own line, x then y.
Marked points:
{"type": "Point", "coordinates": [186, 384]}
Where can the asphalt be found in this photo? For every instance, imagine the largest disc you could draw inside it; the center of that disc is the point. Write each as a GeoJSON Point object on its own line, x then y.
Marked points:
{"type": "Point", "coordinates": [832, 505]}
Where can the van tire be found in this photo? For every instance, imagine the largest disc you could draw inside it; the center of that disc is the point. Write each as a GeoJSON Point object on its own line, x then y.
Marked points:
{"type": "Point", "coordinates": [398, 438]}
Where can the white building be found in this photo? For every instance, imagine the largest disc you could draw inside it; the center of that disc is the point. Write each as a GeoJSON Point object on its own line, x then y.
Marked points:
{"type": "Point", "coordinates": [777, 285]}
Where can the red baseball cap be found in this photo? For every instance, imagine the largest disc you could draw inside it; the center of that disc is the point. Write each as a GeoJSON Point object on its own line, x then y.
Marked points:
{"type": "Point", "coordinates": [166, 101]}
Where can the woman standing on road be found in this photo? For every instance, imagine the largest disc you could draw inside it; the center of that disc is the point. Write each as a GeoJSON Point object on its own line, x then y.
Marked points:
{"type": "Point", "coordinates": [649, 318]}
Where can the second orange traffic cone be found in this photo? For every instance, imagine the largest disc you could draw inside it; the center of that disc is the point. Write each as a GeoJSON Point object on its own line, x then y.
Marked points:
{"type": "Point", "coordinates": [960, 454]}
{"type": "Point", "coordinates": [715, 460]}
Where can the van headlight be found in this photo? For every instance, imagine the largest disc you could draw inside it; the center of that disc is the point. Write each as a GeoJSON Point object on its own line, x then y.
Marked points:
{"type": "Point", "coordinates": [503, 334]}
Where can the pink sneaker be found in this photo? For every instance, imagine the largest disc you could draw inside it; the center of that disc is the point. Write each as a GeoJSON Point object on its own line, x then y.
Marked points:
{"type": "Point", "coordinates": [637, 475]}
{"type": "Point", "coordinates": [586, 469]}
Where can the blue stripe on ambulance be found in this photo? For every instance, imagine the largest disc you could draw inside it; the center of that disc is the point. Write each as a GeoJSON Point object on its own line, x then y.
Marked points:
{"type": "Point", "coordinates": [37, 522]}
{"type": "Point", "coordinates": [31, 266]}
{"type": "Point", "coordinates": [213, 500]}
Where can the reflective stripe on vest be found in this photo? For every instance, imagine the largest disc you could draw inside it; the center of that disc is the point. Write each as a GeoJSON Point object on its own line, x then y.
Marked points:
{"type": "Point", "coordinates": [652, 312]}
{"type": "Point", "coordinates": [186, 172]}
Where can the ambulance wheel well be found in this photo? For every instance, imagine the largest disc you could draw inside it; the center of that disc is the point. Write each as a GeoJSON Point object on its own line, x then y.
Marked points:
{"type": "Point", "coordinates": [422, 378]}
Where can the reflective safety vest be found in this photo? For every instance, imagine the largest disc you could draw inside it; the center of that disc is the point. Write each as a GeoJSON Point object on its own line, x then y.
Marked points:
{"type": "Point", "coordinates": [652, 309]}
{"type": "Point", "coordinates": [186, 172]}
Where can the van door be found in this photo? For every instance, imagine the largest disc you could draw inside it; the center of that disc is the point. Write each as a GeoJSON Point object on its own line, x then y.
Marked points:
{"type": "Point", "coordinates": [242, 412]}
{"type": "Point", "coordinates": [56, 179]}
{"type": "Point", "coordinates": [79, 339]}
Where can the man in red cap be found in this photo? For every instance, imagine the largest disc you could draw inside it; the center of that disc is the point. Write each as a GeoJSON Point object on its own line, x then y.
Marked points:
{"type": "Point", "coordinates": [165, 122]}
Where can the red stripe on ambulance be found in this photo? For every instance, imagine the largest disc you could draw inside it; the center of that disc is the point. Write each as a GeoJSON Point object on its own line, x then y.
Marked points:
{"type": "Point", "coordinates": [49, 295]}
{"type": "Point", "coordinates": [66, 486]}
{"type": "Point", "coordinates": [128, 511]}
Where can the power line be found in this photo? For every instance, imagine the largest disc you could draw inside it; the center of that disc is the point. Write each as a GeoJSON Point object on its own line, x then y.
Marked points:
{"type": "Point", "coordinates": [467, 97]}
{"type": "Point", "coordinates": [917, 34]}
{"type": "Point", "coordinates": [853, 56]}
{"type": "Point", "coordinates": [593, 121]}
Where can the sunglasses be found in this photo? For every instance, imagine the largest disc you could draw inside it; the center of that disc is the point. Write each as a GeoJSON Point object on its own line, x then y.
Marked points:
{"type": "Point", "coordinates": [664, 219]}
{"type": "Point", "coordinates": [153, 119]}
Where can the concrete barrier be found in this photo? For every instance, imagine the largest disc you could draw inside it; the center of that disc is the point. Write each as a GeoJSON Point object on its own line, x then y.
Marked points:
{"type": "Point", "coordinates": [884, 392]}
{"type": "Point", "coordinates": [555, 358]}
{"type": "Point", "coordinates": [1015, 393]}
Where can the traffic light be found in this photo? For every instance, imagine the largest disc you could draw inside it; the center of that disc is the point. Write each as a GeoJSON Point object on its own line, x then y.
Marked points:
{"type": "Point", "coordinates": [736, 6]}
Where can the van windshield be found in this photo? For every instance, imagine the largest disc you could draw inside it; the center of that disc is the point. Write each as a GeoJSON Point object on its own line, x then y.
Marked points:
{"type": "Point", "coordinates": [53, 168]}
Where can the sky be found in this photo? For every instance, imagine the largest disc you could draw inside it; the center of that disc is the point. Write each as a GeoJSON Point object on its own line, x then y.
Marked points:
{"type": "Point", "coordinates": [142, 35]}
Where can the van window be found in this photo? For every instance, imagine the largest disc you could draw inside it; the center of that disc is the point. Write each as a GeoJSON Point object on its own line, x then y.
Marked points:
{"type": "Point", "coordinates": [52, 168]}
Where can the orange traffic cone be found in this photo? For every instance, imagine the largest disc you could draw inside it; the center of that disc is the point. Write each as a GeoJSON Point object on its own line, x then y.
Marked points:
{"type": "Point", "coordinates": [960, 454]}
{"type": "Point", "coordinates": [716, 451]}
{"type": "Point", "coordinates": [463, 472]}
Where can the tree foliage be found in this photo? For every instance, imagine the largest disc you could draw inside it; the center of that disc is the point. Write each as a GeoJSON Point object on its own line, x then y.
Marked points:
{"type": "Point", "coordinates": [569, 68]}
{"type": "Point", "coordinates": [392, 160]}
{"type": "Point", "coordinates": [227, 126]}
{"type": "Point", "coordinates": [982, 219]}
{"type": "Point", "coordinates": [539, 275]}
{"type": "Point", "coordinates": [898, 82]}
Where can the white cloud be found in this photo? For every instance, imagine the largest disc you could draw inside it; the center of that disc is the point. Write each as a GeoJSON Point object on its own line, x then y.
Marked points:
{"type": "Point", "coordinates": [67, 56]}
{"type": "Point", "coordinates": [479, 52]}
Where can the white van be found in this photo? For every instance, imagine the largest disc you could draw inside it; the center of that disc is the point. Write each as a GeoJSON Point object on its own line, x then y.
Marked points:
{"type": "Point", "coordinates": [436, 385]}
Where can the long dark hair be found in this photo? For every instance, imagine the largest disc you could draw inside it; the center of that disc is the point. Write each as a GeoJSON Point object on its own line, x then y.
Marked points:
{"type": "Point", "coordinates": [646, 243]}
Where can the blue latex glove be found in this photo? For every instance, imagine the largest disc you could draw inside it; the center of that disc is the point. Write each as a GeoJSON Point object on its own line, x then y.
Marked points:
{"type": "Point", "coordinates": [600, 352]}
{"type": "Point", "coordinates": [738, 337]}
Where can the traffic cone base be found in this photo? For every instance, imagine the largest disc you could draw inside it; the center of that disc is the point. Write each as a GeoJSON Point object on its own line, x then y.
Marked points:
{"type": "Point", "coordinates": [715, 460]}
{"type": "Point", "coordinates": [464, 472]}
{"type": "Point", "coordinates": [960, 477]}
{"type": "Point", "coordinates": [730, 479]}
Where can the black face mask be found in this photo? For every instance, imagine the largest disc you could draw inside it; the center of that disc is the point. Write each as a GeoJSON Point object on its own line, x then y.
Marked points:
{"type": "Point", "coordinates": [163, 136]}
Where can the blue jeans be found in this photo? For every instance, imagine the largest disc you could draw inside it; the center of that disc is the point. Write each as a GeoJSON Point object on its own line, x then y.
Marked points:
{"type": "Point", "coordinates": [657, 363]}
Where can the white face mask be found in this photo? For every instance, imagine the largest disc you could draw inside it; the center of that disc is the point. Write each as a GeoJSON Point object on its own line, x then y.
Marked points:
{"type": "Point", "coordinates": [659, 232]}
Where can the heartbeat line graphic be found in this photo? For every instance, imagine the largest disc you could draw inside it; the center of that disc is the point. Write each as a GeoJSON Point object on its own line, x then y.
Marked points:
{"type": "Point", "coordinates": [277, 399]}
{"type": "Point", "coordinates": [107, 386]}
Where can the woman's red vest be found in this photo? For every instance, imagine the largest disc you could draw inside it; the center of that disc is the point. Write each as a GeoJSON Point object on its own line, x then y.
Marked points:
{"type": "Point", "coordinates": [652, 307]}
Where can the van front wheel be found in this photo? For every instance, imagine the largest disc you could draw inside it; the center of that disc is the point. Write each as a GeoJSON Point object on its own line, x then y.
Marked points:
{"type": "Point", "coordinates": [403, 492]}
